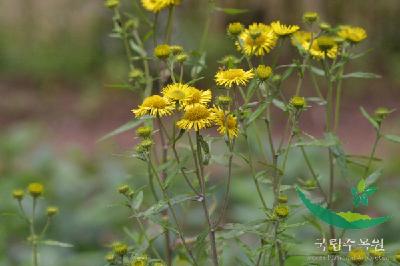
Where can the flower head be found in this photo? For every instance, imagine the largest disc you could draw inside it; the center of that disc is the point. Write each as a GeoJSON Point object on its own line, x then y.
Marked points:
{"type": "Point", "coordinates": [376, 254]}
{"type": "Point", "coordinates": [258, 39]}
{"type": "Point", "coordinates": [357, 256]}
{"type": "Point", "coordinates": [51, 211]}
{"type": "Point", "coordinates": [302, 40]}
{"type": "Point", "coordinates": [35, 189]}
{"type": "Point", "coordinates": [162, 51]}
{"type": "Point", "coordinates": [196, 117]}
{"type": "Point", "coordinates": [154, 105]}
{"type": "Point", "coordinates": [310, 17]}
{"type": "Point", "coordinates": [120, 249]}
{"type": "Point", "coordinates": [141, 261]}
{"type": "Point", "coordinates": [156, 6]}
{"type": "Point", "coordinates": [234, 76]}
{"type": "Point", "coordinates": [283, 30]}
{"type": "Point", "coordinates": [282, 211]}
{"type": "Point", "coordinates": [18, 194]}
{"type": "Point", "coordinates": [334, 249]}
{"type": "Point", "coordinates": [195, 96]}
{"type": "Point", "coordinates": [144, 132]}
{"type": "Point", "coordinates": [111, 3]}
{"type": "Point", "coordinates": [397, 256]}
{"type": "Point", "coordinates": [283, 198]}
{"type": "Point", "coordinates": [298, 102]}
{"type": "Point", "coordinates": [227, 123]}
{"type": "Point", "coordinates": [235, 28]}
{"type": "Point", "coordinates": [263, 72]}
{"type": "Point", "coordinates": [176, 92]}
{"type": "Point", "coordinates": [352, 34]}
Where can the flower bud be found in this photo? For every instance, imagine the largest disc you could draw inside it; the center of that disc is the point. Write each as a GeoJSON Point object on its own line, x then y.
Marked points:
{"type": "Point", "coordinates": [120, 249]}
{"type": "Point", "coordinates": [334, 249]}
{"type": "Point", "coordinates": [123, 189]}
{"type": "Point", "coordinates": [325, 26]}
{"type": "Point", "coordinates": [182, 57]}
{"type": "Point", "coordinates": [382, 112]}
{"type": "Point", "coordinates": [144, 132]}
{"type": "Point", "coordinates": [376, 255]}
{"type": "Point", "coordinates": [110, 258]}
{"type": "Point", "coordinates": [325, 43]}
{"type": "Point", "coordinates": [357, 256]}
{"type": "Point", "coordinates": [276, 78]}
{"type": "Point", "coordinates": [282, 211]}
{"type": "Point", "coordinates": [263, 72]}
{"type": "Point", "coordinates": [235, 28]}
{"type": "Point", "coordinates": [176, 49]}
{"type": "Point", "coordinates": [298, 102]}
{"type": "Point", "coordinates": [310, 17]}
{"type": "Point", "coordinates": [136, 74]}
{"type": "Point", "coordinates": [162, 51]}
{"type": "Point", "coordinates": [51, 211]}
{"type": "Point", "coordinates": [111, 3]}
{"type": "Point", "coordinates": [283, 198]}
{"type": "Point", "coordinates": [224, 100]}
{"type": "Point", "coordinates": [141, 261]}
{"type": "Point", "coordinates": [35, 189]}
{"type": "Point", "coordinates": [397, 256]}
{"type": "Point", "coordinates": [18, 194]}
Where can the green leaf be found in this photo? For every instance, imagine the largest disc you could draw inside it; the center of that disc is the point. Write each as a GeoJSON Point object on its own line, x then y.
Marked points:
{"type": "Point", "coordinates": [137, 201]}
{"type": "Point", "coordinates": [231, 11]}
{"type": "Point", "coordinates": [361, 75]}
{"type": "Point", "coordinates": [279, 104]}
{"type": "Point", "coordinates": [352, 216]}
{"type": "Point", "coordinates": [125, 127]}
{"type": "Point", "coordinates": [361, 186]}
{"type": "Point", "coordinates": [373, 177]}
{"type": "Point", "coordinates": [393, 138]}
{"type": "Point", "coordinates": [137, 49]}
{"type": "Point", "coordinates": [317, 71]}
{"type": "Point", "coordinates": [56, 243]}
{"type": "Point", "coordinates": [162, 205]}
{"type": "Point", "coordinates": [317, 143]}
{"type": "Point", "coordinates": [257, 113]}
{"type": "Point", "coordinates": [369, 118]}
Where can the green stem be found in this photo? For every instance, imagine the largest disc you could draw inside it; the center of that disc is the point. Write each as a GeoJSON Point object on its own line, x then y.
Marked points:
{"type": "Point", "coordinates": [33, 234]}
{"type": "Point", "coordinates": [375, 145]}
{"type": "Point", "coordinates": [168, 30]}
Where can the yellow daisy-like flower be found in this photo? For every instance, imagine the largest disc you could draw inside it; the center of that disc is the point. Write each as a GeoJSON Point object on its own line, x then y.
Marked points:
{"type": "Point", "coordinates": [196, 117]}
{"type": "Point", "coordinates": [234, 76]}
{"type": "Point", "coordinates": [303, 39]}
{"type": "Point", "coordinates": [352, 34]}
{"type": "Point", "coordinates": [227, 123]}
{"type": "Point", "coordinates": [176, 92]}
{"type": "Point", "coordinates": [154, 105]}
{"type": "Point", "coordinates": [157, 5]}
{"type": "Point", "coordinates": [195, 96]}
{"type": "Point", "coordinates": [283, 30]}
{"type": "Point", "coordinates": [258, 39]}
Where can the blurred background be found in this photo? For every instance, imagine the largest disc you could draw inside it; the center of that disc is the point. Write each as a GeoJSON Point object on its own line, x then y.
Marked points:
{"type": "Point", "coordinates": [57, 62]}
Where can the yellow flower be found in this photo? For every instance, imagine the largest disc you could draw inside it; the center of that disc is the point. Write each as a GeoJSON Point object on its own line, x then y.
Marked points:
{"type": "Point", "coordinates": [282, 211]}
{"type": "Point", "coordinates": [235, 76]}
{"type": "Point", "coordinates": [157, 5]}
{"type": "Point", "coordinates": [18, 194]}
{"type": "Point", "coordinates": [51, 211]}
{"type": "Point", "coordinates": [302, 39]}
{"type": "Point", "coordinates": [352, 34]}
{"type": "Point", "coordinates": [154, 105]}
{"type": "Point", "coordinates": [227, 123]}
{"type": "Point", "coordinates": [283, 30]}
{"type": "Point", "coordinates": [257, 40]}
{"type": "Point", "coordinates": [298, 102]}
{"type": "Point", "coordinates": [235, 28]}
{"type": "Point", "coordinates": [144, 132]}
{"type": "Point", "coordinates": [120, 249]}
{"type": "Point", "coordinates": [175, 92]}
{"type": "Point", "coordinates": [357, 256]}
{"type": "Point", "coordinates": [162, 51]}
{"type": "Point", "coordinates": [197, 117]}
{"type": "Point", "coordinates": [195, 96]}
{"type": "Point", "coordinates": [140, 261]}
{"type": "Point", "coordinates": [376, 254]}
{"type": "Point", "coordinates": [35, 189]}
{"type": "Point", "coordinates": [263, 71]}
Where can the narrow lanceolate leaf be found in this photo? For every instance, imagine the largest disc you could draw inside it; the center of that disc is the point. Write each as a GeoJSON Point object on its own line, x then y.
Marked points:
{"type": "Point", "coordinates": [369, 118]}
{"type": "Point", "coordinates": [393, 138]}
{"type": "Point", "coordinates": [259, 111]}
{"type": "Point", "coordinates": [162, 205]}
{"type": "Point", "coordinates": [361, 75]}
{"type": "Point", "coordinates": [231, 11]}
{"type": "Point", "coordinates": [137, 202]}
{"type": "Point", "coordinates": [125, 127]}
{"type": "Point", "coordinates": [317, 143]}
{"type": "Point", "coordinates": [56, 243]}
{"type": "Point", "coordinates": [373, 177]}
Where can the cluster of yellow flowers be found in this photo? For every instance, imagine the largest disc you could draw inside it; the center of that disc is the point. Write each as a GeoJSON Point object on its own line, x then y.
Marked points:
{"type": "Point", "coordinates": [259, 39]}
{"type": "Point", "coordinates": [194, 106]}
